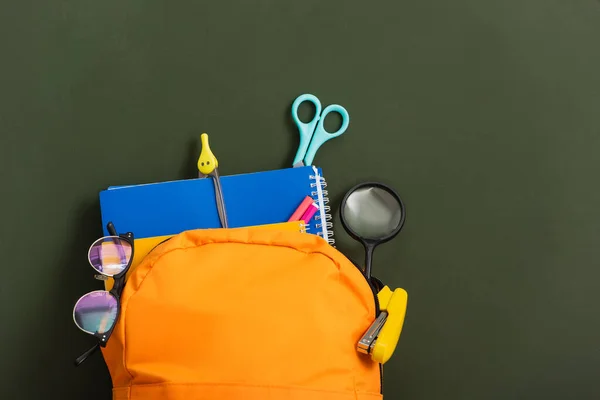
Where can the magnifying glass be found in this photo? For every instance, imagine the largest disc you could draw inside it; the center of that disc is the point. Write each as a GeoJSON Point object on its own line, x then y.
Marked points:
{"type": "Point", "coordinates": [372, 213]}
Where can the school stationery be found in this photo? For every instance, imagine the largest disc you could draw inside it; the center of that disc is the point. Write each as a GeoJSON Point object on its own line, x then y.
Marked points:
{"type": "Point", "coordinates": [372, 213]}
{"type": "Point", "coordinates": [310, 211]}
{"type": "Point", "coordinates": [382, 337]}
{"type": "Point", "coordinates": [258, 198]}
{"type": "Point", "coordinates": [297, 215]}
{"type": "Point", "coordinates": [209, 166]}
{"type": "Point", "coordinates": [313, 133]}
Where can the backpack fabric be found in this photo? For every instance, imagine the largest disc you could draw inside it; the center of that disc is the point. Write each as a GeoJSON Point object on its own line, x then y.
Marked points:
{"type": "Point", "coordinates": [244, 314]}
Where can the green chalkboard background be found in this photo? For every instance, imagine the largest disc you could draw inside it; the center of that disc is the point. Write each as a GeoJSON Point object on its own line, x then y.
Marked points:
{"type": "Point", "coordinates": [484, 115]}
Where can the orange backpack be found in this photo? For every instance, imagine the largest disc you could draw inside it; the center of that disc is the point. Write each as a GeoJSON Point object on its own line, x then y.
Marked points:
{"type": "Point", "coordinates": [244, 313]}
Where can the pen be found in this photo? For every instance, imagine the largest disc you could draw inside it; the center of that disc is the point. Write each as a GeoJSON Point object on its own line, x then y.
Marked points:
{"type": "Point", "coordinates": [308, 214]}
{"type": "Point", "coordinates": [209, 166]}
{"type": "Point", "coordinates": [297, 215]}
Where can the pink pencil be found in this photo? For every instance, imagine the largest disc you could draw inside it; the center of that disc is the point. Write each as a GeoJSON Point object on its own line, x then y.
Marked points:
{"type": "Point", "coordinates": [312, 209]}
{"type": "Point", "coordinates": [297, 215]}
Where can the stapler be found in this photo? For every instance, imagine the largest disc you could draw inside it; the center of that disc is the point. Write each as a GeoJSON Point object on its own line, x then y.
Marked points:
{"type": "Point", "coordinates": [381, 338]}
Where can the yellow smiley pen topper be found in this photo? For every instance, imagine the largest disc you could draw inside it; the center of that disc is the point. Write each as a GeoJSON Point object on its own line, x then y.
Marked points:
{"type": "Point", "coordinates": [207, 162]}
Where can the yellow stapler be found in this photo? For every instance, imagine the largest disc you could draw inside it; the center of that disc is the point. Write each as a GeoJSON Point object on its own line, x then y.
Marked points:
{"type": "Point", "coordinates": [381, 338]}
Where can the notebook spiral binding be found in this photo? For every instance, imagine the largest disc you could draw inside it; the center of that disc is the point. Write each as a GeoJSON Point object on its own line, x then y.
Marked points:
{"type": "Point", "coordinates": [320, 195]}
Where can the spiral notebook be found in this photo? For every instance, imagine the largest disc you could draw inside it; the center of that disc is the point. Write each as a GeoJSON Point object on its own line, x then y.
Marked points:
{"type": "Point", "coordinates": [259, 198]}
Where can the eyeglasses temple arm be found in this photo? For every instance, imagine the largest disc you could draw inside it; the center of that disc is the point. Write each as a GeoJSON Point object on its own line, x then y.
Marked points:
{"type": "Point", "coordinates": [110, 227]}
{"type": "Point", "coordinates": [85, 355]}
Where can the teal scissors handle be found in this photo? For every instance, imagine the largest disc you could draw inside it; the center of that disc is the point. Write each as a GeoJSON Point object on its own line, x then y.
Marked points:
{"type": "Point", "coordinates": [313, 133]}
{"type": "Point", "coordinates": [306, 129]}
{"type": "Point", "coordinates": [321, 135]}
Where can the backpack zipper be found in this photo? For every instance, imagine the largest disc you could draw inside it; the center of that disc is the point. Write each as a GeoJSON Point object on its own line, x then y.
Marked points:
{"type": "Point", "coordinates": [158, 244]}
{"type": "Point", "coordinates": [377, 312]}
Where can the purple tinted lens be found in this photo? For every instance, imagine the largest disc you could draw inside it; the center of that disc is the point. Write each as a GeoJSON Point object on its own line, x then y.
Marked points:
{"type": "Point", "coordinates": [110, 255]}
{"type": "Point", "coordinates": [95, 312]}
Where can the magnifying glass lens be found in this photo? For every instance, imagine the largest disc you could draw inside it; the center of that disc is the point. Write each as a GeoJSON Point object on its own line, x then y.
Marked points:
{"type": "Point", "coordinates": [372, 213]}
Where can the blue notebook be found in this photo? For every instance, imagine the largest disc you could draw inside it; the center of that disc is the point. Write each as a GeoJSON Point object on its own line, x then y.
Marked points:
{"type": "Point", "coordinates": [167, 208]}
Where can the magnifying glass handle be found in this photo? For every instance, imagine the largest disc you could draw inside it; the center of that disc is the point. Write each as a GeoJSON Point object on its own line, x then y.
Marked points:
{"type": "Point", "coordinates": [368, 259]}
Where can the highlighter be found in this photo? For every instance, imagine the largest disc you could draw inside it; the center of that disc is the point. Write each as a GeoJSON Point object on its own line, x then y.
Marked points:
{"type": "Point", "coordinates": [297, 215]}
{"type": "Point", "coordinates": [308, 214]}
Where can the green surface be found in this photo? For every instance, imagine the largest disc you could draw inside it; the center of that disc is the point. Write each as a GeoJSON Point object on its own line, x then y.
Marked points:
{"type": "Point", "coordinates": [484, 115]}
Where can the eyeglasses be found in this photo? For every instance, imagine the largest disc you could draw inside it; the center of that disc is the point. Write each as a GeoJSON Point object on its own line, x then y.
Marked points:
{"type": "Point", "coordinates": [97, 312]}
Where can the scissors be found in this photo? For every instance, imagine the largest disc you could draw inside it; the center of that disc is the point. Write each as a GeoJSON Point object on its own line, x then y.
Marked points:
{"type": "Point", "coordinates": [313, 133]}
{"type": "Point", "coordinates": [209, 166]}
